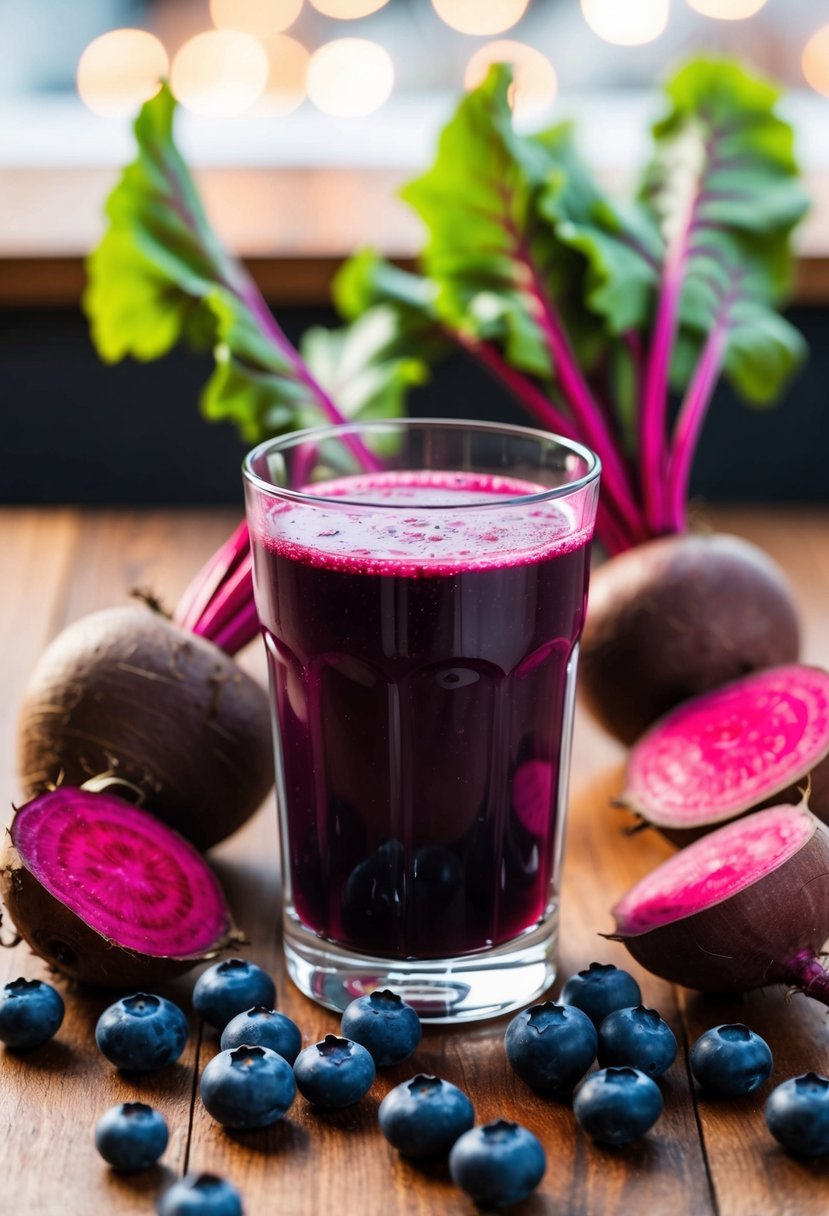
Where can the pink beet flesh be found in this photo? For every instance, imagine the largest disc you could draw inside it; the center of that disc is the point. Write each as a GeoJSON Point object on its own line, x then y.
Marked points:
{"type": "Point", "coordinates": [714, 868]}
{"type": "Point", "coordinates": [122, 872]}
{"type": "Point", "coordinates": [729, 750]}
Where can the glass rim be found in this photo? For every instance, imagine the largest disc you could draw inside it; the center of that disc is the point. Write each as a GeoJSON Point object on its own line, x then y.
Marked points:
{"type": "Point", "coordinates": [332, 430]}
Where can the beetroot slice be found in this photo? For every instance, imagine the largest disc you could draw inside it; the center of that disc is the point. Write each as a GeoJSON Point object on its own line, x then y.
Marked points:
{"type": "Point", "coordinates": [745, 906]}
{"type": "Point", "coordinates": [724, 752]}
{"type": "Point", "coordinates": [95, 863]}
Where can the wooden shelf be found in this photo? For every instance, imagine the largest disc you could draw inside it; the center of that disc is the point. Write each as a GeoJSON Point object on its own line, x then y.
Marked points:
{"type": "Point", "coordinates": [293, 227]}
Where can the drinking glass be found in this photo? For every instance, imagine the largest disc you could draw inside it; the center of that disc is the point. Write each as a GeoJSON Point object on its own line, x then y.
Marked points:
{"type": "Point", "coordinates": [421, 586]}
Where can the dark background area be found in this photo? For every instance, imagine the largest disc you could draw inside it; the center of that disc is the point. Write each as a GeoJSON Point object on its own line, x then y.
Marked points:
{"type": "Point", "coordinates": [75, 431]}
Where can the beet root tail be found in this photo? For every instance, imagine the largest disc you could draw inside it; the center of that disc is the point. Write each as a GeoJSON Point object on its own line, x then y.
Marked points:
{"type": "Point", "coordinates": [807, 973]}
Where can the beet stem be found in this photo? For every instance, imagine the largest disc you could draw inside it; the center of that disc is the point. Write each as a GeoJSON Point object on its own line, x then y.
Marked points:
{"type": "Point", "coordinates": [238, 632]}
{"type": "Point", "coordinates": [206, 583]}
{"type": "Point", "coordinates": [228, 600]}
{"type": "Point", "coordinates": [805, 972]}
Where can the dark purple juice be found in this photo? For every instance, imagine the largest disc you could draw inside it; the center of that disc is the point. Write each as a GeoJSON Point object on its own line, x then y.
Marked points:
{"type": "Point", "coordinates": [419, 656]}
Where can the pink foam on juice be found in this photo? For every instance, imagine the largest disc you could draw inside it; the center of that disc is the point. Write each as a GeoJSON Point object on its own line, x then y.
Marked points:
{"type": "Point", "coordinates": [458, 521]}
{"type": "Point", "coordinates": [420, 628]}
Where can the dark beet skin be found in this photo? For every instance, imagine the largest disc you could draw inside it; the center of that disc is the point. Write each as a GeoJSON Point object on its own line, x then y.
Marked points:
{"type": "Point", "coordinates": [675, 617]}
{"type": "Point", "coordinates": [125, 692]}
{"type": "Point", "coordinates": [768, 933]}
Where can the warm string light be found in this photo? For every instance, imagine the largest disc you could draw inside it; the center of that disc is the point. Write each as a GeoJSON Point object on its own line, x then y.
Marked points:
{"type": "Point", "coordinates": [480, 16]}
{"type": "Point", "coordinates": [628, 23]}
{"type": "Point", "coordinates": [220, 73]}
{"type": "Point", "coordinates": [727, 10]}
{"type": "Point", "coordinates": [121, 70]}
{"type": "Point", "coordinates": [815, 61]}
{"type": "Point", "coordinates": [262, 18]}
{"type": "Point", "coordinates": [534, 83]}
{"type": "Point", "coordinates": [347, 10]}
{"type": "Point", "coordinates": [285, 89]}
{"type": "Point", "coordinates": [350, 77]}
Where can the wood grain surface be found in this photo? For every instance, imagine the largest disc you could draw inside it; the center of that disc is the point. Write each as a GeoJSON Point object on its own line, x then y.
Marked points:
{"type": "Point", "coordinates": [703, 1158]}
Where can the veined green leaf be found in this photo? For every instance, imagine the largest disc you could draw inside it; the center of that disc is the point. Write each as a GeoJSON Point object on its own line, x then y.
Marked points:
{"type": "Point", "coordinates": [490, 243]}
{"type": "Point", "coordinates": [365, 367]}
{"type": "Point", "coordinates": [161, 276]}
{"type": "Point", "coordinates": [729, 289]}
{"type": "Point", "coordinates": [723, 162]}
{"type": "Point", "coordinates": [621, 245]}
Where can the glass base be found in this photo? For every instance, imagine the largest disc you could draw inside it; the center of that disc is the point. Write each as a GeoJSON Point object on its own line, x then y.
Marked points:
{"type": "Point", "coordinates": [443, 991]}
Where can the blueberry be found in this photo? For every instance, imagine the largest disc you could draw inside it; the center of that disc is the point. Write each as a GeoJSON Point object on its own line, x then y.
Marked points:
{"type": "Point", "coordinates": [551, 1046]}
{"type": "Point", "coordinates": [385, 1025]}
{"type": "Point", "coordinates": [30, 1013]}
{"type": "Point", "coordinates": [131, 1136]}
{"type": "Point", "coordinates": [229, 988]}
{"type": "Point", "coordinates": [729, 1061]}
{"type": "Point", "coordinates": [497, 1164]}
{"type": "Point", "coordinates": [201, 1195]}
{"type": "Point", "coordinates": [617, 1105]}
{"type": "Point", "coordinates": [638, 1037]}
{"type": "Point", "coordinates": [247, 1087]}
{"type": "Point", "coordinates": [601, 990]}
{"type": "Point", "coordinates": [141, 1032]}
{"type": "Point", "coordinates": [797, 1115]}
{"type": "Point", "coordinates": [424, 1117]}
{"type": "Point", "coordinates": [437, 891]}
{"type": "Point", "coordinates": [335, 1072]}
{"type": "Point", "coordinates": [264, 1028]}
{"type": "Point", "coordinates": [373, 896]}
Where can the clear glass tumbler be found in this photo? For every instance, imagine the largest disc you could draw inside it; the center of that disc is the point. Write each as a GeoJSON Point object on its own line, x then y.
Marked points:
{"type": "Point", "coordinates": [422, 586]}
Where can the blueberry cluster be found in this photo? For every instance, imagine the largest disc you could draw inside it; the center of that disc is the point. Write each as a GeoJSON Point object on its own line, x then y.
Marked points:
{"type": "Point", "coordinates": [497, 1163]}
{"type": "Point", "coordinates": [552, 1046]}
{"type": "Point", "coordinates": [254, 1078]}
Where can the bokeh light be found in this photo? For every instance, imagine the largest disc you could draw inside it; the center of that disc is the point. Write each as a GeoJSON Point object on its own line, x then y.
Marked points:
{"type": "Point", "coordinates": [287, 76]}
{"type": "Point", "coordinates": [626, 22]}
{"type": "Point", "coordinates": [262, 18]}
{"type": "Point", "coordinates": [121, 70]}
{"type": "Point", "coordinates": [815, 61]}
{"type": "Point", "coordinates": [350, 77]}
{"type": "Point", "coordinates": [480, 16]}
{"type": "Point", "coordinates": [220, 73]}
{"type": "Point", "coordinates": [727, 10]}
{"type": "Point", "coordinates": [534, 84]}
{"type": "Point", "coordinates": [347, 10]}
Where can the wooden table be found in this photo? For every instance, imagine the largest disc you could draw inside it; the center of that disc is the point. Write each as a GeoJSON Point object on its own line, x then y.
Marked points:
{"type": "Point", "coordinates": [702, 1156]}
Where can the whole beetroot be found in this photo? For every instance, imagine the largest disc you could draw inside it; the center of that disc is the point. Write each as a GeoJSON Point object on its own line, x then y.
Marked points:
{"type": "Point", "coordinates": [674, 617]}
{"type": "Point", "coordinates": [126, 693]}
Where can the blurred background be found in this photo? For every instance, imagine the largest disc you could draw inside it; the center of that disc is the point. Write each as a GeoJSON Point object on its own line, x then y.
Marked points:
{"type": "Point", "coordinates": [301, 117]}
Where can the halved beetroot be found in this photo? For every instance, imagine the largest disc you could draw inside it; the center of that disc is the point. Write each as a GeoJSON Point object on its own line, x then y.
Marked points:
{"type": "Point", "coordinates": [745, 906]}
{"type": "Point", "coordinates": [107, 894]}
{"type": "Point", "coordinates": [729, 751]}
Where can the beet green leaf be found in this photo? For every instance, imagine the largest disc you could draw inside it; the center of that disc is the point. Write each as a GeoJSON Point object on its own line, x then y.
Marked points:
{"type": "Point", "coordinates": [161, 276]}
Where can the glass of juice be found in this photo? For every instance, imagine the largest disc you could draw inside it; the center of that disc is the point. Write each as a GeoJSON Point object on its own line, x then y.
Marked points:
{"type": "Point", "coordinates": [421, 586]}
